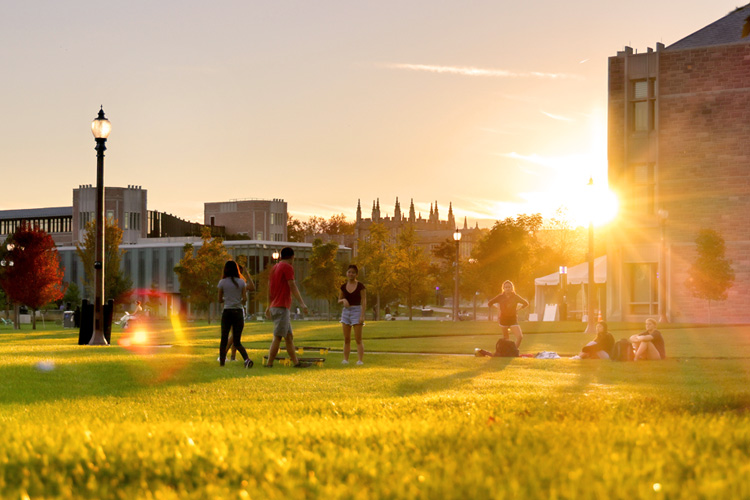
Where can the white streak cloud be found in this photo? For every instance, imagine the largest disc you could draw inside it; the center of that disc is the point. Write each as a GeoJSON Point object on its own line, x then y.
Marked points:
{"type": "Point", "coordinates": [469, 71]}
{"type": "Point", "coordinates": [557, 117]}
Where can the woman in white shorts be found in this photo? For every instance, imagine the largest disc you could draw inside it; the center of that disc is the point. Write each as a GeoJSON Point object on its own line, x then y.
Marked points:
{"type": "Point", "coordinates": [353, 296]}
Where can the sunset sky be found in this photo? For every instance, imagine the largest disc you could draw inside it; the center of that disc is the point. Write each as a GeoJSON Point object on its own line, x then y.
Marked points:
{"type": "Point", "coordinates": [498, 107]}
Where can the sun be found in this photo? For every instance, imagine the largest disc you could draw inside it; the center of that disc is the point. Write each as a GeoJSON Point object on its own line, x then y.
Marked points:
{"type": "Point", "coordinates": [593, 204]}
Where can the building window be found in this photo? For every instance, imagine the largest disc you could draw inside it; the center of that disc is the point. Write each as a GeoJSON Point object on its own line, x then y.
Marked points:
{"type": "Point", "coordinates": [643, 288]}
{"type": "Point", "coordinates": [259, 235]}
{"type": "Point", "coordinates": [278, 237]}
{"type": "Point", "coordinates": [643, 105]}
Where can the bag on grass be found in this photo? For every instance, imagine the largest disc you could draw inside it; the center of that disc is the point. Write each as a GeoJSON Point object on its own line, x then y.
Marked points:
{"type": "Point", "coordinates": [623, 351]}
{"type": "Point", "coordinates": [506, 349]}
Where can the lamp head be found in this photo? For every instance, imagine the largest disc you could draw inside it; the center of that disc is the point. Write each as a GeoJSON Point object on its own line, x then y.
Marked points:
{"type": "Point", "coordinates": [101, 127]}
{"type": "Point", "coordinates": [457, 235]}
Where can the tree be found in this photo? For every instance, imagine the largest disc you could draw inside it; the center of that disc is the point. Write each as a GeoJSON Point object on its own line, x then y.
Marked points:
{"type": "Point", "coordinates": [372, 258]}
{"type": "Point", "coordinates": [444, 271]}
{"type": "Point", "coordinates": [36, 277]}
{"type": "Point", "coordinates": [199, 272]}
{"type": "Point", "coordinates": [410, 268]}
{"type": "Point", "coordinates": [117, 286]}
{"type": "Point", "coordinates": [295, 230]}
{"type": "Point", "coordinates": [72, 295]}
{"type": "Point", "coordinates": [568, 244]}
{"type": "Point", "coordinates": [509, 252]}
{"type": "Point", "coordinates": [711, 274]}
{"type": "Point", "coordinates": [325, 274]}
{"type": "Point", "coordinates": [337, 224]}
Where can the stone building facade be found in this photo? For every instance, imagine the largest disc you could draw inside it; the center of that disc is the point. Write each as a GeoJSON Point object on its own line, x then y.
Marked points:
{"type": "Point", "coordinates": [679, 159]}
{"type": "Point", "coordinates": [256, 219]}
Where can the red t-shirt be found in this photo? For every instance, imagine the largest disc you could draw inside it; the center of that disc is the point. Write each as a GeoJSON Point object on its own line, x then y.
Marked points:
{"type": "Point", "coordinates": [278, 285]}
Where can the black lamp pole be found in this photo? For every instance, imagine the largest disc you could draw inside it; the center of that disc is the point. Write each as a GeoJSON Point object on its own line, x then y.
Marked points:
{"type": "Point", "coordinates": [100, 128]}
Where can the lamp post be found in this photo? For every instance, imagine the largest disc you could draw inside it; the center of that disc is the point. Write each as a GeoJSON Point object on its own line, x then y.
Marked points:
{"type": "Point", "coordinates": [275, 255]}
{"type": "Point", "coordinates": [476, 297]}
{"type": "Point", "coordinates": [457, 239]}
{"type": "Point", "coordinates": [591, 326]}
{"type": "Point", "coordinates": [101, 128]}
{"type": "Point", "coordinates": [663, 317]}
{"type": "Point", "coordinates": [563, 293]}
{"type": "Point", "coordinates": [6, 264]}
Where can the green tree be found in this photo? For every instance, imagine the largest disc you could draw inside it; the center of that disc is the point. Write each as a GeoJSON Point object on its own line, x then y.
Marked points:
{"type": "Point", "coordinates": [35, 277]}
{"type": "Point", "coordinates": [199, 271]}
{"type": "Point", "coordinates": [325, 273]}
{"type": "Point", "coordinates": [410, 269]}
{"type": "Point", "coordinates": [72, 295]}
{"type": "Point", "coordinates": [444, 270]}
{"type": "Point", "coordinates": [372, 259]}
{"type": "Point", "coordinates": [117, 286]}
{"type": "Point", "coordinates": [711, 274]}
{"type": "Point", "coordinates": [295, 230]}
{"type": "Point", "coordinates": [509, 252]}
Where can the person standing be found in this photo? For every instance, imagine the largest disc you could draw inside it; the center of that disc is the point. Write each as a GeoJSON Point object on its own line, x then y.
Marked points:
{"type": "Point", "coordinates": [649, 345]}
{"type": "Point", "coordinates": [233, 293]}
{"type": "Point", "coordinates": [353, 296]}
{"type": "Point", "coordinates": [509, 303]}
{"type": "Point", "coordinates": [281, 287]}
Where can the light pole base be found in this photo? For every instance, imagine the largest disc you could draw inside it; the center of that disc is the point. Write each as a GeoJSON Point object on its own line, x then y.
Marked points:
{"type": "Point", "coordinates": [98, 338]}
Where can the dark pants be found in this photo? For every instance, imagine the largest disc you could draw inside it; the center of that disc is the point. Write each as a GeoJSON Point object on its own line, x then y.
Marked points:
{"type": "Point", "coordinates": [231, 319]}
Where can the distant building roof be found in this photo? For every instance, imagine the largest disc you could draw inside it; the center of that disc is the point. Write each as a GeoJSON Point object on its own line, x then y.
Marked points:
{"type": "Point", "coordinates": [726, 30]}
{"type": "Point", "coordinates": [32, 213]}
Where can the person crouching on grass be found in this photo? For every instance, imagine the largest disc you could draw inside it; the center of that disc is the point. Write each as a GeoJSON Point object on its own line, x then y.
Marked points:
{"type": "Point", "coordinates": [233, 293]}
{"type": "Point", "coordinates": [600, 347]}
{"type": "Point", "coordinates": [353, 296]}
{"type": "Point", "coordinates": [648, 345]}
{"type": "Point", "coordinates": [508, 302]}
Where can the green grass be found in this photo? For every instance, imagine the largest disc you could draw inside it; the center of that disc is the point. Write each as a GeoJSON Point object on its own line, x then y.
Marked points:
{"type": "Point", "coordinates": [167, 422]}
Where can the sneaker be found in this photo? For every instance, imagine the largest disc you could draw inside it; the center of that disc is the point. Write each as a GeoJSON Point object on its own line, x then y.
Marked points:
{"type": "Point", "coordinates": [302, 364]}
{"type": "Point", "coordinates": [248, 363]}
{"type": "Point", "coordinates": [360, 363]}
{"type": "Point", "coordinates": [345, 362]}
{"type": "Point", "coordinates": [233, 359]}
{"type": "Point", "coordinates": [576, 357]}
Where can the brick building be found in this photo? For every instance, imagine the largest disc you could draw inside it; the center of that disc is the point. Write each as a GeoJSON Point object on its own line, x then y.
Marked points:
{"type": "Point", "coordinates": [679, 159]}
{"type": "Point", "coordinates": [256, 219]}
{"type": "Point", "coordinates": [127, 206]}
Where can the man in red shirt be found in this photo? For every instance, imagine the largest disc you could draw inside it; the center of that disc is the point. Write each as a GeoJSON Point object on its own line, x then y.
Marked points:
{"type": "Point", "coordinates": [281, 287]}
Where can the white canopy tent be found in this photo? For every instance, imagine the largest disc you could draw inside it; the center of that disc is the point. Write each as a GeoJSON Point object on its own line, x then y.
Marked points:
{"type": "Point", "coordinates": [547, 287]}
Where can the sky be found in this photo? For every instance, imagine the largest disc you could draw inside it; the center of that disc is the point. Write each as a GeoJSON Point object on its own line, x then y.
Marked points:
{"type": "Point", "coordinates": [496, 107]}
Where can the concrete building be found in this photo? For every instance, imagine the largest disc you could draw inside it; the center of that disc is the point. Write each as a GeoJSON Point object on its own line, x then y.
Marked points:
{"type": "Point", "coordinates": [431, 232]}
{"type": "Point", "coordinates": [679, 159]}
{"type": "Point", "coordinates": [127, 205]}
{"type": "Point", "coordinates": [57, 221]}
{"type": "Point", "coordinates": [256, 219]}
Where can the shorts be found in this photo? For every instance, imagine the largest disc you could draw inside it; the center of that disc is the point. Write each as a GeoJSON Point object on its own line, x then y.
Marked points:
{"type": "Point", "coordinates": [350, 315]}
{"type": "Point", "coordinates": [282, 323]}
{"type": "Point", "coordinates": [508, 322]}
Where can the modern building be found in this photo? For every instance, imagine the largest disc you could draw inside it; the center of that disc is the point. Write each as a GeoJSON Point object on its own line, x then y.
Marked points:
{"type": "Point", "coordinates": [127, 206]}
{"type": "Point", "coordinates": [431, 232]}
{"type": "Point", "coordinates": [679, 159]}
{"type": "Point", "coordinates": [150, 265]}
{"type": "Point", "coordinates": [263, 220]}
{"type": "Point", "coordinates": [57, 221]}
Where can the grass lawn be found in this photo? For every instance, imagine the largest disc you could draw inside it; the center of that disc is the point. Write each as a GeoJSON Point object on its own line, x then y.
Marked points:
{"type": "Point", "coordinates": [165, 421]}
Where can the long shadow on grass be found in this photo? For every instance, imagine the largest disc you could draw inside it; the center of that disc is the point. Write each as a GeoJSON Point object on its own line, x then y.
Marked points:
{"type": "Point", "coordinates": [70, 377]}
{"type": "Point", "coordinates": [452, 381]}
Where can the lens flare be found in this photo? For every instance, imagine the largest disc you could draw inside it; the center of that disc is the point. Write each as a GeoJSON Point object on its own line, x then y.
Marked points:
{"type": "Point", "coordinates": [161, 345]}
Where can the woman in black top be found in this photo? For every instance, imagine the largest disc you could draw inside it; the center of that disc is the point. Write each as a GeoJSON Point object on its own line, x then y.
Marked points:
{"type": "Point", "coordinates": [601, 346]}
{"type": "Point", "coordinates": [508, 302]}
{"type": "Point", "coordinates": [353, 296]}
{"type": "Point", "coordinates": [649, 344]}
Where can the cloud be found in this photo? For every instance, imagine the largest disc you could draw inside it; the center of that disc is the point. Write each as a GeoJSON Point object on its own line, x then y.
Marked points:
{"type": "Point", "coordinates": [557, 117]}
{"type": "Point", "coordinates": [469, 71]}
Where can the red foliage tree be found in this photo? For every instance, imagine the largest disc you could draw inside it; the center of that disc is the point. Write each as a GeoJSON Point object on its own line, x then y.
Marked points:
{"type": "Point", "coordinates": [35, 277]}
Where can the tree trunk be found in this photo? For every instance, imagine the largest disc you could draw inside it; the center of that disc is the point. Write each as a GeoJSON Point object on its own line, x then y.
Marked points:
{"type": "Point", "coordinates": [709, 313]}
{"type": "Point", "coordinates": [16, 317]}
{"type": "Point", "coordinates": [33, 319]}
{"type": "Point", "coordinates": [408, 305]}
{"type": "Point", "coordinates": [377, 306]}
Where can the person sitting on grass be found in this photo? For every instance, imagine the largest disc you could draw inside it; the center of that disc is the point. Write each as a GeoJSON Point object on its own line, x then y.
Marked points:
{"type": "Point", "coordinates": [648, 345]}
{"type": "Point", "coordinates": [600, 347]}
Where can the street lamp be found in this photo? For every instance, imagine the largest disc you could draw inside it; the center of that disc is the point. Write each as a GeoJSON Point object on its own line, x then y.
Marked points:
{"type": "Point", "coordinates": [663, 317]}
{"type": "Point", "coordinates": [476, 297]}
{"type": "Point", "coordinates": [563, 293]}
{"type": "Point", "coordinates": [591, 326]}
{"type": "Point", "coordinates": [101, 128]}
{"type": "Point", "coordinates": [457, 239]}
{"type": "Point", "coordinates": [275, 255]}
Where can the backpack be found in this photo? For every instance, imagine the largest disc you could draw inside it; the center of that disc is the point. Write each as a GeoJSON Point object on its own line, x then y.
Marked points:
{"type": "Point", "coordinates": [506, 349]}
{"type": "Point", "coordinates": [623, 351]}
